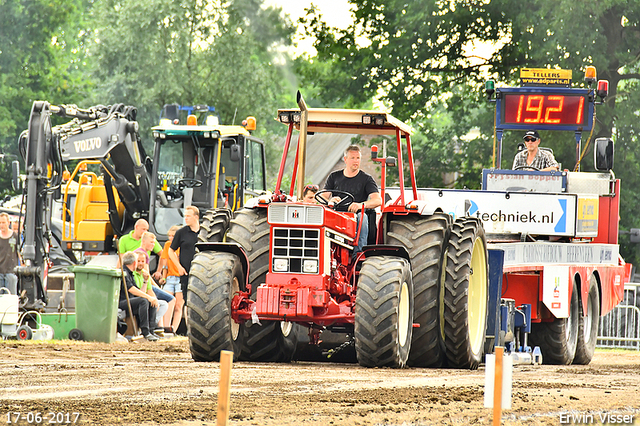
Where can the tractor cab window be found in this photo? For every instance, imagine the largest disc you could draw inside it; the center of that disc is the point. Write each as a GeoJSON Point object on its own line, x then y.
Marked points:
{"type": "Point", "coordinates": [169, 198]}
{"type": "Point", "coordinates": [210, 170]}
{"type": "Point", "coordinates": [255, 178]}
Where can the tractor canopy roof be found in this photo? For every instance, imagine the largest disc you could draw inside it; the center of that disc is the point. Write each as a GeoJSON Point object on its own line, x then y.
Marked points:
{"type": "Point", "coordinates": [349, 121]}
{"type": "Point", "coordinates": [352, 121]}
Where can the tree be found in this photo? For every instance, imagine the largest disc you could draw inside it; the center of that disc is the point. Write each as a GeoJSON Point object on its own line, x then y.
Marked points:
{"type": "Point", "coordinates": [227, 54]}
{"type": "Point", "coordinates": [190, 52]}
{"type": "Point", "coordinates": [39, 41]}
{"type": "Point", "coordinates": [419, 56]}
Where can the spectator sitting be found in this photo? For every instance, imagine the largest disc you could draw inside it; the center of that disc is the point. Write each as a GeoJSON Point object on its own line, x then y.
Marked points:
{"type": "Point", "coordinates": [148, 241]}
{"type": "Point", "coordinates": [144, 283]}
{"type": "Point", "coordinates": [143, 305]}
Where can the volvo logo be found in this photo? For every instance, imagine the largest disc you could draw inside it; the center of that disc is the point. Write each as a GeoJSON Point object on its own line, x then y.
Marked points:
{"type": "Point", "coordinates": [87, 144]}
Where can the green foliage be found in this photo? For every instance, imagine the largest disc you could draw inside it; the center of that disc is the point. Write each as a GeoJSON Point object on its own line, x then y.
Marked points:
{"type": "Point", "coordinates": [627, 165]}
{"type": "Point", "coordinates": [225, 53]}
{"type": "Point", "coordinates": [417, 58]}
{"type": "Point", "coordinates": [39, 41]}
{"type": "Point", "coordinates": [190, 52]}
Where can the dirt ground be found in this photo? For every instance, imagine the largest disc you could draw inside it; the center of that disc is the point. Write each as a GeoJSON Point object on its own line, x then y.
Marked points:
{"type": "Point", "coordinates": [158, 383]}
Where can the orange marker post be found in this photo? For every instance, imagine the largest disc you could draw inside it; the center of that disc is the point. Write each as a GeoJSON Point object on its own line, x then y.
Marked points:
{"type": "Point", "coordinates": [497, 387]}
{"type": "Point", "coordinates": [224, 395]}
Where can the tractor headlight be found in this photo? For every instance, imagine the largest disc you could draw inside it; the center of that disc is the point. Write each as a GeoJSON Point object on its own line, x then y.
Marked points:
{"type": "Point", "coordinates": [310, 266]}
{"type": "Point", "coordinates": [280, 265]}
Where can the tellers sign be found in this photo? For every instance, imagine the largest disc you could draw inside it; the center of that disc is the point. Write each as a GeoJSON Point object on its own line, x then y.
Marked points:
{"type": "Point", "coordinates": [545, 109]}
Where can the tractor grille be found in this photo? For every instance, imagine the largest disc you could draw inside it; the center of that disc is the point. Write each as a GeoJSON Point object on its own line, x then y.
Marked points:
{"type": "Point", "coordinates": [280, 213]}
{"type": "Point", "coordinates": [295, 250]}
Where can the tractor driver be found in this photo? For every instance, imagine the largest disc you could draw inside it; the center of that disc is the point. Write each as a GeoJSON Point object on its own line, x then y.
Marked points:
{"type": "Point", "coordinates": [359, 184]}
{"type": "Point", "coordinates": [533, 156]}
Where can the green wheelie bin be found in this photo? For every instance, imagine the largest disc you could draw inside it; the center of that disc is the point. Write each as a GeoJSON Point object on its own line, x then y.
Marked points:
{"type": "Point", "coordinates": [97, 294]}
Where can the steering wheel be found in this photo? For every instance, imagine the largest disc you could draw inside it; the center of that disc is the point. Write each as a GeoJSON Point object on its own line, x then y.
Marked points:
{"type": "Point", "coordinates": [189, 183]}
{"type": "Point", "coordinates": [342, 205]}
{"type": "Point", "coordinates": [527, 167]}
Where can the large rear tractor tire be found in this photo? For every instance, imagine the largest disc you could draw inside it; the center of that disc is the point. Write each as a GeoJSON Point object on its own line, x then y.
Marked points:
{"type": "Point", "coordinates": [558, 339]}
{"type": "Point", "coordinates": [269, 341]}
{"type": "Point", "coordinates": [425, 238]}
{"type": "Point", "coordinates": [466, 294]}
{"type": "Point", "coordinates": [588, 325]}
{"type": "Point", "coordinates": [215, 223]}
{"type": "Point", "coordinates": [384, 312]}
{"type": "Point", "coordinates": [214, 278]}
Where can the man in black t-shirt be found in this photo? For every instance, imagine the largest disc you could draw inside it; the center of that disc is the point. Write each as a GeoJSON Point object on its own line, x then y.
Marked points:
{"type": "Point", "coordinates": [185, 239]}
{"type": "Point", "coordinates": [359, 184]}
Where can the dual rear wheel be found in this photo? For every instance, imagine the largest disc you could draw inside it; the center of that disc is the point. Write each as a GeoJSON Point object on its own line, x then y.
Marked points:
{"type": "Point", "coordinates": [466, 294]}
{"type": "Point", "coordinates": [450, 277]}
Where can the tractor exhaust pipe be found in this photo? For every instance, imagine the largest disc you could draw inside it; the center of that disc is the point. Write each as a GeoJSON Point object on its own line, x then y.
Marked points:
{"type": "Point", "coordinates": [302, 145]}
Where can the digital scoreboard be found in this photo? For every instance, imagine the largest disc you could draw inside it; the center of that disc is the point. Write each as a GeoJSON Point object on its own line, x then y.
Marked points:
{"type": "Point", "coordinates": [545, 101]}
{"type": "Point", "coordinates": [544, 108]}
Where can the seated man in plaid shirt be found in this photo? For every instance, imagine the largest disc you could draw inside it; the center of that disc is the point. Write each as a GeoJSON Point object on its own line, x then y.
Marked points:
{"type": "Point", "coordinates": [534, 157]}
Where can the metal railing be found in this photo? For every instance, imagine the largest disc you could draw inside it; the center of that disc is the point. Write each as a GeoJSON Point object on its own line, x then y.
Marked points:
{"type": "Point", "coordinates": [620, 328]}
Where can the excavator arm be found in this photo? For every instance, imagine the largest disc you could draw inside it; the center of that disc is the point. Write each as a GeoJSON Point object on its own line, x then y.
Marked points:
{"type": "Point", "coordinates": [105, 133]}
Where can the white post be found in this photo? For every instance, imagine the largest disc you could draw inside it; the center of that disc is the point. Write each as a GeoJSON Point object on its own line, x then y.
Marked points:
{"type": "Point", "coordinates": [498, 381]}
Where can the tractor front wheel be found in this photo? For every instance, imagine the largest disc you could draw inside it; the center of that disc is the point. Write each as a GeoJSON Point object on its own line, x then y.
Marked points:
{"type": "Point", "coordinates": [384, 312]}
{"type": "Point", "coordinates": [214, 278]}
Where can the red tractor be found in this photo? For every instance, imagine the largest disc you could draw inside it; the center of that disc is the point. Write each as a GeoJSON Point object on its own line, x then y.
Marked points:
{"type": "Point", "coordinates": [286, 264]}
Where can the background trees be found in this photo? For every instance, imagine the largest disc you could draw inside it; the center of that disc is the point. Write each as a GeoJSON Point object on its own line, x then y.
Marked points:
{"type": "Point", "coordinates": [218, 53]}
{"type": "Point", "coordinates": [227, 54]}
{"type": "Point", "coordinates": [418, 59]}
{"type": "Point", "coordinates": [39, 42]}
{"type": "Point", "coordinates": [425, 60]}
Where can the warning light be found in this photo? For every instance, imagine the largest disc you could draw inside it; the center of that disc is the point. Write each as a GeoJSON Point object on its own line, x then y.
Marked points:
{"type": "Point", "coordinates": [251, 123]}
{"type": "Point", "coordinates": [374, 152]}
{"type": "Point", "coordinates": [192, 120]}
{"type": "Point", "coordinates": [590, 75]}
{"type": "Point", "coordinates": [489, 88]}
{"type": "Point", "coordinates": [603, 89]}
